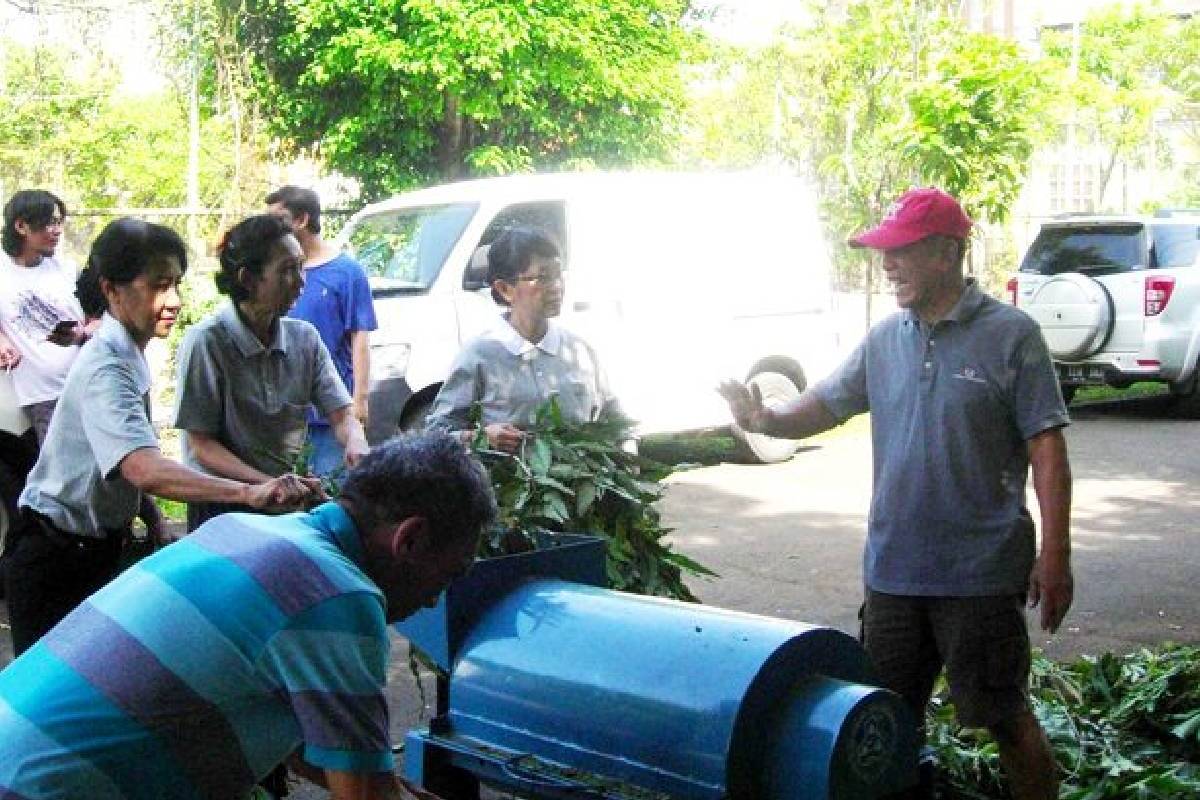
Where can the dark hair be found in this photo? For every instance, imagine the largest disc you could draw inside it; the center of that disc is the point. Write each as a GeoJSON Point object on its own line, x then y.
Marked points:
{"type": "Point", "coordinates": [430, 475]}
{"type": "Point", "coordinates": [247, 246]}
{"type": "Point", "coordinates": [34, 207]}
{"type": "Point", "coordinates": [91, 298]}
{"type": "Point", "coordinates": [126, 246]}
{"type": "Point", "coordinates": [513, 251]}
{"type": "Point", "coordinates": [299, 200]}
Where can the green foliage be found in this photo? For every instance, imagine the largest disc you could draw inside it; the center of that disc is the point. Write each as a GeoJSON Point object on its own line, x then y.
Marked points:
{"type": "Point", "coordinates": [1122, 728]}
{"type": "Point", "coordinates": [873, 98]}
{"type": "Point", "coordinates": [576, 478]}
{"type": "Point", "coordinates": [1118, 72]}
{"type": "Point", "coordinates": [399, 92]}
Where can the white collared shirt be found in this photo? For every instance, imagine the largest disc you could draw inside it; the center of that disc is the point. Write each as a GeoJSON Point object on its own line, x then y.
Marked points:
{"type": "Point", "coordinates": [511, 377]}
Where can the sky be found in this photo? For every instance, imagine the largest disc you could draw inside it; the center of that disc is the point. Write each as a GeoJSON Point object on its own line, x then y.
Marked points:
{"type": "Point", "coordinates": [751, 21]}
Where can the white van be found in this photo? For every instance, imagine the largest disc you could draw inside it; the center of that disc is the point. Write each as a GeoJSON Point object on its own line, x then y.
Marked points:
{"type": "Point", "coordinates": [678, 280]}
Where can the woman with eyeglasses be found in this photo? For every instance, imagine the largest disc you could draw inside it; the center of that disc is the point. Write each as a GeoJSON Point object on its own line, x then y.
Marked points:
{"type": "Point", "coordinates": [525, 358]}
{"type": "Point", "coordinates": [41, 323]}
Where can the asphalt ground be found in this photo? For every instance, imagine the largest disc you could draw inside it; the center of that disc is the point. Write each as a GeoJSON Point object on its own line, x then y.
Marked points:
{"type": "Point", "coordinates": [787, 539]}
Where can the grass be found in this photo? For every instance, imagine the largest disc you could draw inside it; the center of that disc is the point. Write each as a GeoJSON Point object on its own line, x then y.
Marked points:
{"type": "Point", "coordinates": [1095, 394]}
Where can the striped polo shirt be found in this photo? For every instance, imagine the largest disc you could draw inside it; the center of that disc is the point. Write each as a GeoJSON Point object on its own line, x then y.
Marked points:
{"type": "Point", "coordinates": [202, 667]}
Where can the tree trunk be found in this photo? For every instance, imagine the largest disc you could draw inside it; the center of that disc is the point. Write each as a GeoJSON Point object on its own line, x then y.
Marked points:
{"type": "Point", "coordinates": [451, 152]}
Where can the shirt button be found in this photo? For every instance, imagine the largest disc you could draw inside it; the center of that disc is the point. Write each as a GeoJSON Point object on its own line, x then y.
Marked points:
{"type": "Point", "coordinates": [928, 364]}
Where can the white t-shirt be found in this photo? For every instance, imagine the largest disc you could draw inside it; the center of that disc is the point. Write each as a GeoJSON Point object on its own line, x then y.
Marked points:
{"type": "Point", "coordinates": [32, 301]}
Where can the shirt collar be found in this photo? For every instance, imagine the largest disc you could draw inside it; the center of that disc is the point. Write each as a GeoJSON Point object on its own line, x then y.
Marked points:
{"type": "Point", "coordinates": [244, 338]}
{"type": "Point", "coordinates": [332, 519]}
{"type": "Point", "coordinates": [967, 306]}
{"type": "Point", "coordinates": [518, 345]}
{"type": "Point", "coordinates": [114, 334]}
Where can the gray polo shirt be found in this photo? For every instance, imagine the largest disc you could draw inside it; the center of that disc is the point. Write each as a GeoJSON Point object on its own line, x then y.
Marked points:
{"type": "Point", "coordinates": [952, 407]}
{"type": "Point", "coordinates": [102, 416]}
{"type": "Point", "coordinates": [254, 399]}
{"type": "Point", "coordinates": [512, 377]}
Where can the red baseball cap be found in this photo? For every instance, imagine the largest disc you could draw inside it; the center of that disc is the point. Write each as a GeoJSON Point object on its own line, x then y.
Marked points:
{"type": "Point", "coordinates": [917, 214]}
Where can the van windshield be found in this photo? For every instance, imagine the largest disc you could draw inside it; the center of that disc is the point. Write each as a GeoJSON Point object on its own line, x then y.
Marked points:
{"type": "Point", "coordinates": [404, 250]}
{"type": "Point", "coordinates": [1091, 249]}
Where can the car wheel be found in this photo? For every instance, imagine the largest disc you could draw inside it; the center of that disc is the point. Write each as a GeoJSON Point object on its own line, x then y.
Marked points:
{"type": "Point", "coordinates": [758, 448]}
{"type": "Point", "coordinates": [1185, 397]}
{"type": "Point", "coordinates": [1075, 313]}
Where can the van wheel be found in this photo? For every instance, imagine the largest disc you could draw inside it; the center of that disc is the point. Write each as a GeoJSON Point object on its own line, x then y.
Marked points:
{"type": "Point", "coordinates": [758, 448]}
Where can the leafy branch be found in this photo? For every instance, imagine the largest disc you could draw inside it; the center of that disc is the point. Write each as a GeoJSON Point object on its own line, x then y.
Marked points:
{"type": "Point", "coordinates": [576, 477]}
{"type": "Point", "coordinates": [1121, 727]}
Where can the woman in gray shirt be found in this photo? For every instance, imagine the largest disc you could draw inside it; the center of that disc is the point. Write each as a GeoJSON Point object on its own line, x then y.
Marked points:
{"type": "Point", "coordinates": [248, 374]}
{"type": "Point", "coordinates": [101, 452]}
{"type": "Point", "coordinates": [525, 358]}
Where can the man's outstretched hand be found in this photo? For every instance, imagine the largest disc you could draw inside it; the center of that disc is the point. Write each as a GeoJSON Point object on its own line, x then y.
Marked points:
{"type": "Point", "coordinates": [745, 404]}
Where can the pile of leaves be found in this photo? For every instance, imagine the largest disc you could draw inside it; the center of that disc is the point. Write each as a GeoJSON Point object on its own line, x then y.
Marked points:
{"type": "Point", "coordinates": [1120, 726]}
{"type": "Point", "coordinates": [576, 478]}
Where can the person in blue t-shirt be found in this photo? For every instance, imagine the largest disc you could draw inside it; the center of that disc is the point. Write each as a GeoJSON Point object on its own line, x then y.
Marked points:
{"type": "Point", "coordinates": [337, 300]}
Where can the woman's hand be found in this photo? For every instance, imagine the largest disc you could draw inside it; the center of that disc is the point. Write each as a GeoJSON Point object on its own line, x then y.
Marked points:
{"type": "Point", "coordinates": [10, 356]}
{"type": "Point", "coordinates": [285, 493]}
{"type": "Point", "coordinates": [504, 436]}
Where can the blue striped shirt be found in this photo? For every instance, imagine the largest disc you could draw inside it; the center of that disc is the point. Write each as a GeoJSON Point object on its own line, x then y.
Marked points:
{"type": "Point", "coordinates": [202, 667]}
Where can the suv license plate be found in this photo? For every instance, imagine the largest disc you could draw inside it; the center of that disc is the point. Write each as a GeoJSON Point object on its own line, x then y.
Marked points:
{"type": "Point", "coordinates": [1080, 373]}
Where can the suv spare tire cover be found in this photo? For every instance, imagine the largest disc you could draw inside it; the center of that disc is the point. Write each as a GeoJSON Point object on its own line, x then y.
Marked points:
{"type": "Point", "coordinates": [1075, 314]}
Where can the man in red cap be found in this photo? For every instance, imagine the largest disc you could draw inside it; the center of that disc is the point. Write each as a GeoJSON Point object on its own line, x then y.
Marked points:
{"type": "Point", "coordinates": [963, 400]}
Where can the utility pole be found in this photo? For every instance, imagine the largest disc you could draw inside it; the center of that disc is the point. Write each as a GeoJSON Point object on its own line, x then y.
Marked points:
{"type": "Point", "coordinates": [193, 167]}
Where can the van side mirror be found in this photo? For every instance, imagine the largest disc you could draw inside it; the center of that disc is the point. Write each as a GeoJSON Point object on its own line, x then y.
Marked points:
{"type": "Point", "coordinates": [475, 276]}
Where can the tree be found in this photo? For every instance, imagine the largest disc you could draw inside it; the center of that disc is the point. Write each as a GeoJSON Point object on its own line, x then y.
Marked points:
{"type": "Point", "coordinates": [875, 97]}
{"type": "Point", "coordinates": [1115, 65]}
{"type": "Point", "coordinates": [396, 92]}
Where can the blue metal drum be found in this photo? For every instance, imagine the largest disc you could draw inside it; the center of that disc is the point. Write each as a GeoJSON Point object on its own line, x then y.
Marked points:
{"type": "Point", "coordinates": [563, 689]}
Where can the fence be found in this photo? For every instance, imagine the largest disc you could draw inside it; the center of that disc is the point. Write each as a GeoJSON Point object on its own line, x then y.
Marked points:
{"type": "Point", "coordinates": [202, 226]}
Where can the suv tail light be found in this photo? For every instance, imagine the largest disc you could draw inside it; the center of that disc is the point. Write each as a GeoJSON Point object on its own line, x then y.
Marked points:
{"type": "Point", "coordinates": [1011, 287]}
{"type": "Point", "coordinates": [1158, 294]}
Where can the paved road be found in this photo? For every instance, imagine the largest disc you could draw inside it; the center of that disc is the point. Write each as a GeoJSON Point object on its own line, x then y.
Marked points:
{"type": "Point", "coordinates": [787, 539]}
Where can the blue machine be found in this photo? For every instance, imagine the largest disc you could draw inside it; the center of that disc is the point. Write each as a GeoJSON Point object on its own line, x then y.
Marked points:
{"type": "Point", "coordinates": [559, 688]}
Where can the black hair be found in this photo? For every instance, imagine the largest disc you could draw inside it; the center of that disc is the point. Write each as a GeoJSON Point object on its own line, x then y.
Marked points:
{"type": "Point", "coordinates": [513, 251]}
{"type": "Point", "coordinates": [91, 298]}
{"type": "Point", "coordinates": [429, 475]}
{"type": "Point", "coordinates": [247, 246]}
{"type": "Point", "coordinates": [126, 246]}
{"type": "Point", "coordinates": [34, 207]}
{"type": "Point", "coordinates": [299, 200]}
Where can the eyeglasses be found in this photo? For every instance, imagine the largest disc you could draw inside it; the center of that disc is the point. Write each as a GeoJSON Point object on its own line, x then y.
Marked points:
{"type": "Point", "coordinates": [544, 278]}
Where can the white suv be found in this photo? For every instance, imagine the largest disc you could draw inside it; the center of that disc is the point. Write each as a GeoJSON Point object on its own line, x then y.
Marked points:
{"type": "Point", "coordinates": [1118, 300]}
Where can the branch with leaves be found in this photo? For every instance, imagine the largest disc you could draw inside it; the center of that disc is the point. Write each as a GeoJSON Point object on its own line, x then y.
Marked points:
{"type": "Point", "coordinates": [576, 478]}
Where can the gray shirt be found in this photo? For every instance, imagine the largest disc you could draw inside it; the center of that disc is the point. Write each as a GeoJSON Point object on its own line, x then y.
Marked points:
{"type": "Point", "coordinates": [254, 399]}
{"type": "Point", "coordinates": [512, 377]}
{"type": "Point", "coordinates": [102, 416]}
{"type": "Point", "coordinates": [952, 407]}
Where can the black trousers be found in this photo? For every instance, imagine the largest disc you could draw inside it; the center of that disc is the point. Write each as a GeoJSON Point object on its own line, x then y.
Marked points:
{"type": "Point", "coordinates": [47, 572]}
